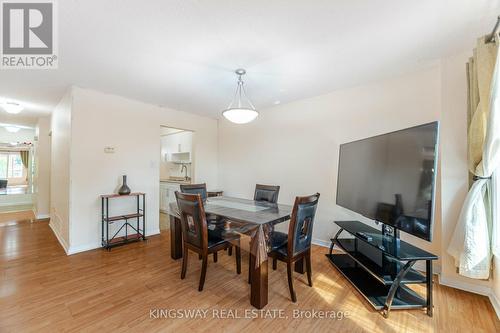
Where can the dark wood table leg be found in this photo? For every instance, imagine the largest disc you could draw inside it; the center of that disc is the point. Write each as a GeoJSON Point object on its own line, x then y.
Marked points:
{"type": "Point", "coordinates": [258, 293]}
{"type": "Point", "coordinates": [299, 266]}
{"type": "Point", "coordinates": [175, 238]}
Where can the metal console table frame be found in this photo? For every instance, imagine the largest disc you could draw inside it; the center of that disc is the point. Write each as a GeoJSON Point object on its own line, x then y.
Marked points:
{"type": "Point", "coordinates": [106, 220]}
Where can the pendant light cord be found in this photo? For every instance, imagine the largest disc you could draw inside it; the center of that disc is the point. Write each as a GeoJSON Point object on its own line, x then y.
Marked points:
{"type": "Point", "coordinates": [239, 94]}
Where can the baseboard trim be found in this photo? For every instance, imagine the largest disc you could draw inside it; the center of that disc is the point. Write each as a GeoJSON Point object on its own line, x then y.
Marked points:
{"type": "Point", "coordinates": [154, 232]}
{"type": "Point", "coordinates": [465, 286]}
{"type": "Point", "coordinates": [481, 290]}
{"type": "Point", "coordinates": [59, 238]}
{"type": "Point", "coordinates": [15, 208]}
{"type": "Point", "coordinates": [83, 248]}
{"type": "Point", "coordinates": [321, 242]}
{"type": "Point", "coordinates": [495, 303]}
{"type": "Point", "coordinates": [420, 266]}
{"type": "Point", "coordinates": [42, 216]}
{"type": "Point", "coordinates": [17, 203]}
{"type": "Point", "coordinates": [89, 247]}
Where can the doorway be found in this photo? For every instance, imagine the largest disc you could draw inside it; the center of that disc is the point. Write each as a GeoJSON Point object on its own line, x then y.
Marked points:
{"type": "Point", "coordinates": [176, 166]}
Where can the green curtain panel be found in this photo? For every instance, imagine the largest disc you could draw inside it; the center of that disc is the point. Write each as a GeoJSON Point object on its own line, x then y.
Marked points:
{"type": "Point", "coordinates": [472, 241]}
{"type": "Point", "coordinates": [25, 157]}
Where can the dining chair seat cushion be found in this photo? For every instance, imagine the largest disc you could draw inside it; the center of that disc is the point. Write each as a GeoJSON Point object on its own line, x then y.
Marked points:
{"type": "Point", "coordinates": [214, 239]}
{"type": "Point", "coordinates": [278, 239]}
{"type": "Point", "coordinates": [211, 218]}
{"type": "Point", "coordinates": [283, 250]}
{"type": "Point", "coordinates": [219, 236]}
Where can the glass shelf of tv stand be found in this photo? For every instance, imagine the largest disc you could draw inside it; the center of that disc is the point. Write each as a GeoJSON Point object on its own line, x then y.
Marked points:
{"type": "Point", "coordinates": [377, 268]}
{"type": "Point", "coordinates": [384, 270]}
{"type": "Point", "coordinates": [402, 251]}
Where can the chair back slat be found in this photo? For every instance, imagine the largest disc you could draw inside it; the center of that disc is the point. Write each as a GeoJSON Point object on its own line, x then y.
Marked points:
{"type": "Point", "coordinates": [193, 220]}
{"type": "Point", "coordinates": [301, 224]}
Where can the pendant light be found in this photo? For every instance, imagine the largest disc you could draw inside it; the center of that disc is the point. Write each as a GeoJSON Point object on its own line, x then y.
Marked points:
{"type": "Point", "coordinates": [12, 129]}
{"type": "Point", "coordinates": [13, 108]}
{"type": "Point", "coordinates": [241, 109]}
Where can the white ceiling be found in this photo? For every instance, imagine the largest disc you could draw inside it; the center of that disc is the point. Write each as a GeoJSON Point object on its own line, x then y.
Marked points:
{"type": "Point", "coordinates": [182, 53]}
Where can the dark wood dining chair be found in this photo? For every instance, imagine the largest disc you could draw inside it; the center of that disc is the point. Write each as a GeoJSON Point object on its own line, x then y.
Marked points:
{"type": "Point", "coordinates": [267, 193]}
{"type": "Point", "coordinates": [196, 236]}
{"type": "Point", "coordinates": [200, 189]}
{"type": "Point", "coordinates": [297, 244]}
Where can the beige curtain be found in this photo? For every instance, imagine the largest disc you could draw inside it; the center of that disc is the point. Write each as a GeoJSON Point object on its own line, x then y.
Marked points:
{"type": "Point", "coordinates": [471, 243]}
{"type": "Point", "coordinates": [25, 157]}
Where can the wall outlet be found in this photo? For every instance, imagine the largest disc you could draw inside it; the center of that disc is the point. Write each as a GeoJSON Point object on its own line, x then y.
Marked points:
{"type": "Point", "coordinates": [109, 150]}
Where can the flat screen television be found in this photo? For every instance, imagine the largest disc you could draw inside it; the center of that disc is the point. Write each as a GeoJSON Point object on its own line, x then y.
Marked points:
{"type": "Point", "coordinates": [391, 178]}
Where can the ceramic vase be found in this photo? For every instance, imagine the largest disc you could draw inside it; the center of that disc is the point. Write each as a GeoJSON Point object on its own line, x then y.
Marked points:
{"type": "Point", "coordinates": [124, 189]}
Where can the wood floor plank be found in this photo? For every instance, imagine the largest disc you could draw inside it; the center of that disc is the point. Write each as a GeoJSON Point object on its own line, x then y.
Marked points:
{"type": "Point", "coordinates": [43, 290]}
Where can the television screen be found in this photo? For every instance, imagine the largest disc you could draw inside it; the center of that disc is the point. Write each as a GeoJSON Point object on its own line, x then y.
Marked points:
{"type": "Point", "coordinates": [391, 178]}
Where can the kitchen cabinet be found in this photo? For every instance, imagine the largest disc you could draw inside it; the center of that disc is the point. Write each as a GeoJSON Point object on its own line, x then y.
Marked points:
{"type": "Point", "coordinates": [177, 143]}
{"type": "Point", "coordinates": [167, 195]}
{"type": "Point", "coordinates": [163, 197]}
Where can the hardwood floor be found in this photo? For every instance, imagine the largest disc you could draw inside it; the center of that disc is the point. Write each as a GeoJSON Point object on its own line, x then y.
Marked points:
{"type": "Point", "coordinates": [43, 290]}
{"type": "Point", "coordinates": [14, 217]}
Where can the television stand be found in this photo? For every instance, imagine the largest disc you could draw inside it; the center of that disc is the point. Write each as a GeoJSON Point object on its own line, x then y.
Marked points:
{"type": "Point", "coordinates": [380, 267]}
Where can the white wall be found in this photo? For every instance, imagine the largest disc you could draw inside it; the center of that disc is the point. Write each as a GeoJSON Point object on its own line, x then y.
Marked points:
{"type": "Point", "coordinates": [42, 169]}
{"type": "Point", "coordinates": [23, 135]}
{"type": "Point", "coordinates": [133, 129]}
{"type": "Point", "coordinates": [296, 145]}
{"type": "Point", "coordinates": [60, 170]}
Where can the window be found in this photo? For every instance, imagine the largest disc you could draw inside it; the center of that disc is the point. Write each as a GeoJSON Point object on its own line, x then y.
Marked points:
{"type": "Point", "coordinates": [11, 165]}
{"type": "Point", "coordinates": [4, 158]}
{"type": "Point", "coordinates": [16, 167]}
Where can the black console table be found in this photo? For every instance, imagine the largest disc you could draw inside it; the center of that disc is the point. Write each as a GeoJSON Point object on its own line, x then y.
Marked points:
{"type": "Point", "coordinates": [137, 216]}
{"type": "Point", "coordinates": [380, 267]}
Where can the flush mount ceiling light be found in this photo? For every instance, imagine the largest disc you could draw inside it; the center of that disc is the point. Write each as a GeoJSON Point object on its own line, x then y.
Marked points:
{"type": "Point", "coordinates": [241, 109]}
{"type": "Point", "coordinates": [11, 107]}
{"type": "Point", "coordinates": [12, 129]}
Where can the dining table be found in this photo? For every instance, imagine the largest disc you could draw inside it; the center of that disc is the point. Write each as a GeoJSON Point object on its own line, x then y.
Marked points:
{"type": "Point", "coordinates": [253, 220]}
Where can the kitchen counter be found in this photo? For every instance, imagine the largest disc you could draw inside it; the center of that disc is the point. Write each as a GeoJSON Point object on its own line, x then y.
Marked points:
{"type": "Point", "coordinates": [175, 181]}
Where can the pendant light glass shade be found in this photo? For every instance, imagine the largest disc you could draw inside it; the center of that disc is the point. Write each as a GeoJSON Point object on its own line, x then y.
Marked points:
{"type": "Point", "coordinates": [13, 108]}
{"type": "Point", "coordinates": [12, 129]}
{"type": "Point", "coordinates": [241, 109]}
{"type": "Point", "coordinates": [240, 116]}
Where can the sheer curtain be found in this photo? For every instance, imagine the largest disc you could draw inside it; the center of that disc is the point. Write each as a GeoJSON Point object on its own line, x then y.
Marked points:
{"type": "Point", "coordinates": [476, 235]}
{"type": "Point", "coordinates": [495, 189]}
